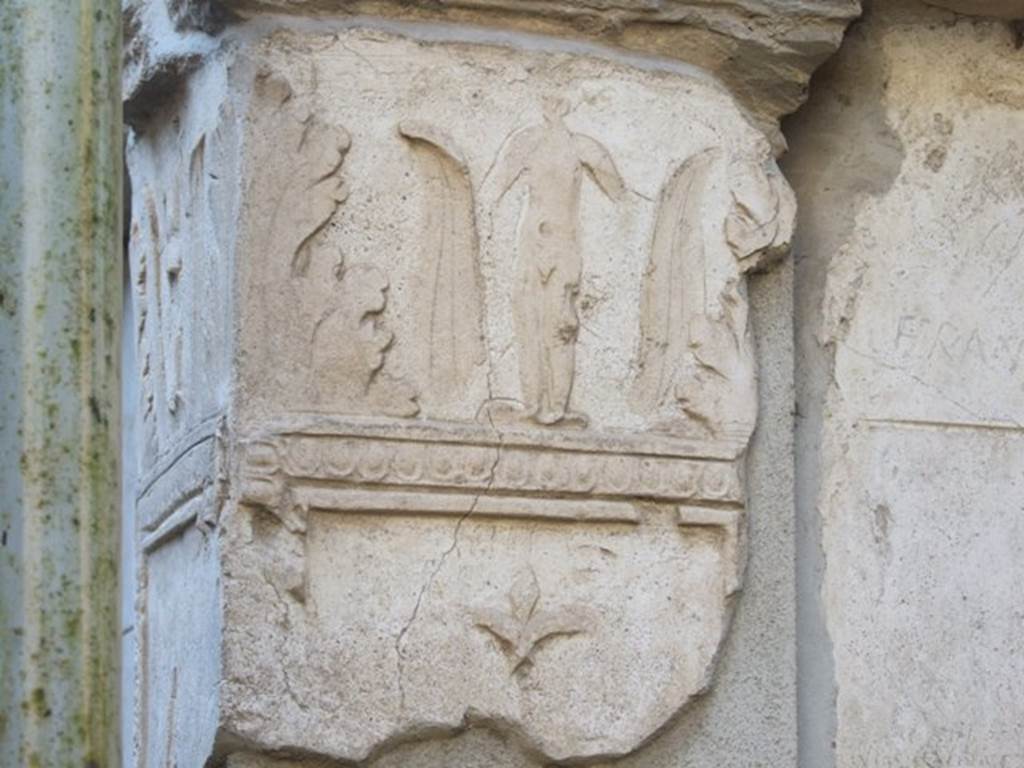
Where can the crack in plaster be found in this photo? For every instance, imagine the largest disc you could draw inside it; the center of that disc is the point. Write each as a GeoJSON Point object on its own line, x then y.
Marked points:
{"type": "Point", "coordinates": [440, 564]}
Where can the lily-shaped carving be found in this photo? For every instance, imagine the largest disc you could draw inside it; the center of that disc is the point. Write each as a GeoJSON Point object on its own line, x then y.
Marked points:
{"type": "Point", "coordinates": [522, 629]}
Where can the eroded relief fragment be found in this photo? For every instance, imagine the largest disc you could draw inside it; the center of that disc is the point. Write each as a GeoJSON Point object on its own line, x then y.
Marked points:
{"type": "Point", "coordinates": [760, 221]}
{"type": "Point", "coordinates": [178, 274]}
{"type": "Point", "coordinates": [499, 381]}
{"type": "Point", "coordinates": [335, 306]}
{"type": "Point", "coordinates": [350, 343]}
{"type": "Point", "coordinates": [313, 188]}
{"type": "Point", "coordinates": [697, 372]}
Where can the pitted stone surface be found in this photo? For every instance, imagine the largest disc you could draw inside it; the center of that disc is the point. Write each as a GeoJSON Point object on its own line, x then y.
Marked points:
{"type": "Point", "coordinates": [763, 50]}
{"type": "Point", "coordinates": [917, 231]}
{"type": "Point", "coordinates": [497, 383]}
{"type": "Point", "coordinates": [483, 462]}
{"type": "Point", "coordinates": [1000, 9]}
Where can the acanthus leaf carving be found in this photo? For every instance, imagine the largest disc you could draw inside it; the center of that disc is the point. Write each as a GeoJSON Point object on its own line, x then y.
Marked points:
{"type": "Point", "coordinates": [313, 189]}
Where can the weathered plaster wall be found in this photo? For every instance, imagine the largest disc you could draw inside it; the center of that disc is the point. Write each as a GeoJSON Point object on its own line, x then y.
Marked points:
{"type": "Point", "coordinates": [881, 583]}
{"type": "Point", "coordinates": [908, 167]}
{"type": "Point", "coordinates": [252, 620]}
{"type": "Point", "coordinates": [764, 51]}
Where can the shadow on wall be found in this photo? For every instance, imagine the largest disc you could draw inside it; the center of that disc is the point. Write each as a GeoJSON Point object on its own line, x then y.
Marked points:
{"type": "Point", "coordinates": [842, 151]}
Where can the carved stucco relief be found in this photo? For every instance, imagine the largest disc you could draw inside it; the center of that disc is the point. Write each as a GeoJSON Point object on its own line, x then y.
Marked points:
{"type": "Point", "coordinates": [449, 291]}
{"type": "Point", "coordinates": [183, 221]}
{"type": "Point", "coordinates": [550, 162]}
{"type": "Point", "coordinates": [496, 383]}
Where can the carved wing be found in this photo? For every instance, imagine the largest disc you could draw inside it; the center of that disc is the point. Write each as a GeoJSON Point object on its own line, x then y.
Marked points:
{"type": "Point", "coordinates": [599, 164]}
{"type": "Point", "coordinates": [449, 300]}
{"type": "Point", "coordinates": [673, 289]}
{"type": "Point", "coordinates": [513, 159]}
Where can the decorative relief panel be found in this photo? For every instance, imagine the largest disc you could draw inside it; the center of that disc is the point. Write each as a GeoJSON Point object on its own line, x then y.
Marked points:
{"type": "Point", "coordinates": [496, 383]}
{"type": "Point", "coordinates": [184, 210]}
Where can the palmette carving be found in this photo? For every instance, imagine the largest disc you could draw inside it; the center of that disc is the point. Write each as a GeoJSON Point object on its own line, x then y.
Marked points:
{"type": "Point", "coordinates": [523, 627]}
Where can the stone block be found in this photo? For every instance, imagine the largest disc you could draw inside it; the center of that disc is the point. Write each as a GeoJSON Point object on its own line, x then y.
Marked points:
{"type": "Point", "coordinates": [448, 376]}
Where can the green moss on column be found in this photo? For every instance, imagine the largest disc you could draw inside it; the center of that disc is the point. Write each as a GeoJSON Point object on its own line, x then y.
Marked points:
{"type": "Point", "coordinates": [60, 309]}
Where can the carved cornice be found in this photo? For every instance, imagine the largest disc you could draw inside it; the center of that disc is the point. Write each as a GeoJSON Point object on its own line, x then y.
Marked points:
{"type": "Point", "coordinates": [483, 463]}
{"type": "Point", "coordinates": [763, 50]}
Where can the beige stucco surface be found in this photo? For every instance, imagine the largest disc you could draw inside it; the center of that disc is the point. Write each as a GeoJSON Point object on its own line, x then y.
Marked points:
{"type": "Point", "coordinates": [484, 420]}
{"type": "Point", "coordinates": [911, 235]}
{"type": "Point", "coordinates": [446, 349]}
